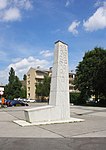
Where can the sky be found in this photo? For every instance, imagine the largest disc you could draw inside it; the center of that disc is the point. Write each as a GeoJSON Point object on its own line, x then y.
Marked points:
{"type": "Point", "coordinates": [29, 29]}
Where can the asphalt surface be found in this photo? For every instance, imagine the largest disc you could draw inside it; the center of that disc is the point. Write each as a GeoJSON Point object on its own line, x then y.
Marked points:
{"type": "Point", "coordinates": [87, 135]}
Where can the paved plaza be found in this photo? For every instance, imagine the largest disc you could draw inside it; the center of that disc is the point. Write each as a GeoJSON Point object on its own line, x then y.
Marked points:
{"type": "Point", "coordinates": [93, 127]}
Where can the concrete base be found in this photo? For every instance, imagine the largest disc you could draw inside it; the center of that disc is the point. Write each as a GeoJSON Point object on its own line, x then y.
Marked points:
{"type": "Point", "coordinates": [46, 114]}
{"type": "Point", "coordinates": [24, 123]}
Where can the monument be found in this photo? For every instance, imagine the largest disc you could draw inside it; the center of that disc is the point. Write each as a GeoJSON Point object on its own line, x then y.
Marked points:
{"type": "Point", "coordinates": [58, 110]}
{"type": "Point", "coordinates": [59, 91]}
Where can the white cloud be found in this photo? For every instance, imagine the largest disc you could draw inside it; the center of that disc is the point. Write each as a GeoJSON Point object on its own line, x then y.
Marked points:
{"type": "Point", "coordinates": [14, 60]}
{"type": "Point", "coordinates": [73, 26]}
{"type": "Point", "coordinates": [68, 3]}
{"type": "Point", "coordinates": [11, 14]}
{"type": "Point", "coordinates": [26, 4]}
{"type": "Point", "coordinates": [100, 3]}
{"type": "Point", "coordinates": [28, 62]}
{"type": "Point", "coordinates": [11, 10]}
{"type": "Point", "coordinates": [97, 20]}
{"type": "Point", "coordinates": [21, 67]}
{"type": "Point", "coordinates": [3, 4]}
{"type": "Point", "coordinates": [46, 53]}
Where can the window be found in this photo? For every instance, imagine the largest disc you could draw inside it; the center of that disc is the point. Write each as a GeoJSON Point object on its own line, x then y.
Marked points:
{"type": "Point", "coordinates": [28, 88]}
{"type": "Point", "coordinates": [28, 82]}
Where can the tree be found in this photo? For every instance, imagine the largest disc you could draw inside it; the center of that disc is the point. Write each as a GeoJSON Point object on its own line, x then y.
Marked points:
{"type": "Point", "coordinates": [39, 89]}
{"type": "Point", "coordinates": [91, 74]}
{"type": "Point", "coordinates": [17, 87]}
{"type": "Point", "coordinates": [46, 86]}
{"type": "Point", "coordinates": [23, 88]}
{"type": "Point", "coordinates": [43, 88]}
{"type": "Point", "coordinates": [9, 87]}
{"type": "Point", "coordinates": [11, 76]}
{"type": "Point", "coordinates": [24, 77]}
{"type": "Point", "coordinates": [23, 92]}
{"type": "Point", "coordinates": [13, 88]}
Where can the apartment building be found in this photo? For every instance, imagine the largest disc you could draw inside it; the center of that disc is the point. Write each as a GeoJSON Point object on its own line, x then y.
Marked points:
{"type": "Point", "coordinates": [37, 75]}
{"type": "Point", "coordinates": [33, 77]}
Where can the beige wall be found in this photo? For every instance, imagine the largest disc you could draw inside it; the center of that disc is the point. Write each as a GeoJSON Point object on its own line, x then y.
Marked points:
{"type": "Point", "coordinates": [31, 83]}
{"type": "Point", "coordinates": [34, 76]}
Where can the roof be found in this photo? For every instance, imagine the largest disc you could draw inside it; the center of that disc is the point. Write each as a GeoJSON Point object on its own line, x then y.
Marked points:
{"type": "Point", "coordinates": [61, 42]}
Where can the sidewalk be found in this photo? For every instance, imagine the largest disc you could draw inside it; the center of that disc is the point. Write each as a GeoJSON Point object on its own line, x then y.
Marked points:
{"type": "Point", "coordinates": [93, 126]}
{"type": "Point", "coordinates": [87, 135]}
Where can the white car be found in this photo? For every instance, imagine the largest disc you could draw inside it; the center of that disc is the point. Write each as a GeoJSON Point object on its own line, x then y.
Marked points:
{"type": "Point", "coordinates": [31, 100]}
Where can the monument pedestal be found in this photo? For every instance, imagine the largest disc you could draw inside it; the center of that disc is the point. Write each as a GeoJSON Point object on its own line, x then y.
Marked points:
{"type": "Point", "coordinates": [58, 110]}
{"type": "Point", "coordinates": [45, 114]}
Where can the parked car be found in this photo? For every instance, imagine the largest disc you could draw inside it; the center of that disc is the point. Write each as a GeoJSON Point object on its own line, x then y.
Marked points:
{"type": "Point", "coordinates": [0, 101]}
{"type": "Point", "coordinates": [7, 102]}
{"type": "Point", "coordinates": [31, 100]}
{"type": "Point", "coordinates": [15, 103]}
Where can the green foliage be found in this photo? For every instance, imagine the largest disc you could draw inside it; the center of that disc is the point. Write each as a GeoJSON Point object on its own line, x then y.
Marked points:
{"type": "Point", "coordinates": [11, 76]}
{"type": "Point", "coordinates": [43, 88]}
{"type": "Point", "coordinates": [77, 99]}
{"type": "Point", "coordinates": [17, 87]}
{"type": "Point", "coordinates": [91, 74]}
{"type": "Point", "coordinates": [46, 86]}
{"type": "Point", "coordinates": [23, 93]}
{"type": "Point", "coordinates": [13, 88]}
{"type": "Point", "coordinates": [24, 77]}
{"type": "Point", "coordinates": [74, 98]}
{"type": "Point", "coordinates": [39, 89]}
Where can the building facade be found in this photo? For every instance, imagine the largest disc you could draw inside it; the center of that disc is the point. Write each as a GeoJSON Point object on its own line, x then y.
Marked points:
{"type": "Point", "coordinates": [37, 75]}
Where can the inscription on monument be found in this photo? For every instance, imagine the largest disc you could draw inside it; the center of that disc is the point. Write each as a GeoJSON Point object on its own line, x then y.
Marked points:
{"type": "Point", "coordinates": [63, 61]}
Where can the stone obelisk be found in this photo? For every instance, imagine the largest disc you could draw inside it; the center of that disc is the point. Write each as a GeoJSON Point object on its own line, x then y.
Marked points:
{"type": "Point", "coordinates": [58, 110]}
{"type": "Point", "coordinates": [59, 92]}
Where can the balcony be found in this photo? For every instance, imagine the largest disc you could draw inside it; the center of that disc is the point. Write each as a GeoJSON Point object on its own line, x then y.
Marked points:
{"type": "Point", "coordinates": [39, 77]}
